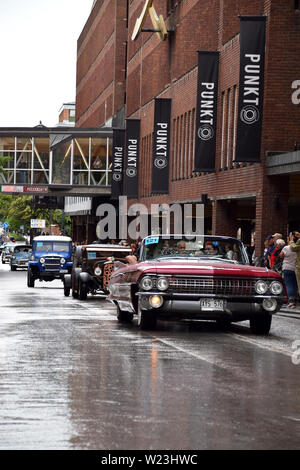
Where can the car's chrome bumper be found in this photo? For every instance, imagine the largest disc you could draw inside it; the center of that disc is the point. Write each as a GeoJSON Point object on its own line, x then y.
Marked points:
{"type": "Point", "coordinates": [189, 305]}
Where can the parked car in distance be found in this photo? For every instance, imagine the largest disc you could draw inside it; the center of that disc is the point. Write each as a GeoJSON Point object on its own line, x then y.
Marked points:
{"type": "Point", "coordinates": [205, 277]}
{"type": "Point", "coordinates": [20, 257]}
{"type": "Point", "coordinates": [92, 267]}
{"type": "Point", "coordinates": [51, 258]}
{"type": "Point", "coordinates": [7, 252]}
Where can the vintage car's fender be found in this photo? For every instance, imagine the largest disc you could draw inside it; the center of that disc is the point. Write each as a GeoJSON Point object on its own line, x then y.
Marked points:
{"type": "Point", "coordinates": [84, 277]}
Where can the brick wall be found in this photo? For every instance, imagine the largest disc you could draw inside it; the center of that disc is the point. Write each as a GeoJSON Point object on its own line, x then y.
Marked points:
{"type": "Point", "coordinates": [169, 69]}
{"type": "Point", "coordinates": [101, 51]}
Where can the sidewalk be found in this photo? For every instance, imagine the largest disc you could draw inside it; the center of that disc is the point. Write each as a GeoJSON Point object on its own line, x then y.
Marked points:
{"type": "Point", "coordinates": [295, 310]}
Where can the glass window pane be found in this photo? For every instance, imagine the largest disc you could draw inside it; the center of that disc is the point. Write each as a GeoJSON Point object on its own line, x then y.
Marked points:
{"type": "Point", "coordinates": [81, 154]}
{"type": "Point", "coordinates": [7, 177]}
{"type": "Point", "coordinates": [7, 143]}
{"type": "Point", "coordinates": [8, 157]}
{"type": "Point", "coordinates": [98, 178]}
{"type": "Point", "coordinates": [98, 158]}
{"type": "Point", "coordinates": [62, 162]}
{"type": "Point", "coordinates": [80, 177]}
{"type": "Point", "coordinates": [41, 153]}
{"type": "Point", "coordinates": [23, 160]}
{"type": "Point", "coordinates": [39, 177]}
{"type": "Point", "coordinates": [24, 143]}
{"type": "Point", "coordinates": [23, 176]}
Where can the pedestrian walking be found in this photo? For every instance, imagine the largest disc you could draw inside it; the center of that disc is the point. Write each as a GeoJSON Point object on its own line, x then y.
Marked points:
{"type": "Point", "coordinates": [269, 247]}
{"type": "Point", "coordinates": [289, 272]}
{"type": "Point", "coordinates": [275, 259]}
{"type": "Point", "coordinates": [295, 247]}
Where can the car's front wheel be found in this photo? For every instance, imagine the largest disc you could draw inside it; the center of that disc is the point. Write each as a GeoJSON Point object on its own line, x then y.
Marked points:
{"type": "Point", "coordinates": [124, 317]}
{"type": "Point", "coordinates": [66, 291]}
{"type": "Point", "coordinates": [30, 278]}
{"type": "Point", "coordinates": [13, 268]}
{"type": "Point", "coordinates": [261, 324]}
{"type": "Point", "coordinates": [146, 319]}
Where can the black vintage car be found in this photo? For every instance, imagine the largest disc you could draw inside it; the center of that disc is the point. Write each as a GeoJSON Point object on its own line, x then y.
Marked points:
{"type": "Point", "coordinates": [92, 267]}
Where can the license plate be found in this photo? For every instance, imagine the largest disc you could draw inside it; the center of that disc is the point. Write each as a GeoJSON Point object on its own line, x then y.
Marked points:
{"type": "Point", "coordinates": [212, 304]}
{"type": "Point", "coordinates": [63, 271]}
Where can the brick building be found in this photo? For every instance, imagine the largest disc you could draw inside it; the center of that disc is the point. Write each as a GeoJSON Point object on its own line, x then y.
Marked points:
{"type": "Point", "coordinates": [118, 78]}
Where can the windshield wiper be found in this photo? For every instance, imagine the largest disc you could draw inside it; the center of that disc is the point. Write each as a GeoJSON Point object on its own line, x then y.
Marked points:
{"type": "Point", "coordinates": [215, 258]}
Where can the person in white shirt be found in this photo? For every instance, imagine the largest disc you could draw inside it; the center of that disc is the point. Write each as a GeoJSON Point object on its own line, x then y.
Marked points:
{"type": "Point", "coordinates": [289, 272]}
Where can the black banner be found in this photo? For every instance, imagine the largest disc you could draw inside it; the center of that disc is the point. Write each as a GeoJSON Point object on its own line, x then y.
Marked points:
{"type": "Point", "coordinates": [251, 92]}
{"type": "Point", "coordinates": [132, 158]}
{"type": "Point", "coordinates": [206, 118]}
{"type": "Point", "coordinates": [161, 146]}
{"type": "Point", "coordinates": [118, 161]}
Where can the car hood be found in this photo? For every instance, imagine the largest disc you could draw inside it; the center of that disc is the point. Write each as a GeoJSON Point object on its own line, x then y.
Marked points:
{"type": "Point", "coordinates": [51, 255]}
{"type": "Point", "coordinates": [22, 255]}
{"type": "Point", "coordinates": [202, 267]}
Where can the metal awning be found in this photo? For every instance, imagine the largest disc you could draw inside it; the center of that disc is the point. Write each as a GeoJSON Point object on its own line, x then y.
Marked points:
{"type": "Point", "coordinates": [283, 164]}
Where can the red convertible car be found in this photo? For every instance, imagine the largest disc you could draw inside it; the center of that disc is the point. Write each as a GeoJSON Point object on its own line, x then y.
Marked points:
{"type": "Point", "coordinates": [205, 277]}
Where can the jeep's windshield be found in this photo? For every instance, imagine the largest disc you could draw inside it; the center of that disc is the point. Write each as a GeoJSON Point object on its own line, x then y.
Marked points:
{"type": "Point", "coordinates": [216, 248]}
{"type": "Point", "coordinates": [48, 246]}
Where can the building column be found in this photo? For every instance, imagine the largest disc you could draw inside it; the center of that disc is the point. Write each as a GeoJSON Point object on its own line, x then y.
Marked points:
{"type": "Point", "coordinates": [224, 218]}
{"type": "Point", "coordinates": [271, 210]}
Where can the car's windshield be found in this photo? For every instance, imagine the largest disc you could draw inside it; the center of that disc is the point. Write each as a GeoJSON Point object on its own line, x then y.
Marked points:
{"type": "Point", "coordinates": [92, 255]}
{"type": "Point", "coordinates": [204, 247]}
{"type": "Point", "coordinates": [23, 254]}
{"type": "Point", "coordinates": [22, 249]}
{"type": "Point", "coordinates": [48, 246]}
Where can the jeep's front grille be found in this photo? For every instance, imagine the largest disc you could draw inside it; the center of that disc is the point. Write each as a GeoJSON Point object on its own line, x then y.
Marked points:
{"type": "Point", "coordinates": [52, 264]}
{"type": "Point", "coordinates": [212, 285]}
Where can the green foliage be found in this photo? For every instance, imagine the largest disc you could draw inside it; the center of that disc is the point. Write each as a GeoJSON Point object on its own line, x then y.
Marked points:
{"type": "Point", "coordinates": [16, 236]}
{"type": "Point", "coordinates": [3, 163]}
{"type": "Point", "coordinates": [17, 210]}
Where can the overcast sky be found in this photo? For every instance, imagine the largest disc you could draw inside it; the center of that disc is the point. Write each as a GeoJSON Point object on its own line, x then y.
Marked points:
{"type": "Point", "coordinates": [38, 44]}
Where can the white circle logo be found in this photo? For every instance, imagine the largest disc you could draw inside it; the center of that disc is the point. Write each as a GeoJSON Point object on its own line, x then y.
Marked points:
{"type": "Point", "coordinates": [205, 132]}
{"type": "Point", "coordinates": [117, 177]}
{"type": "Point", "coordinates": [160, 163]}
{"type": "Point", "coordinates": [131, 172]}
{"type": "Point", "coordinates": [249, 114]}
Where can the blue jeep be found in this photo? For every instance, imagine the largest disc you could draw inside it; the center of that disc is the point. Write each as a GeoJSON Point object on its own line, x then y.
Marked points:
{"type": "Point", "coordinates": [51, 259]}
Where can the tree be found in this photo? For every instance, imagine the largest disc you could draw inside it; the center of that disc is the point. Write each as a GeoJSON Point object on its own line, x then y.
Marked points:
{"type": "Point", "coordinates": [3, 163]}
{"type": "Point", "coordinates": [17, 210]}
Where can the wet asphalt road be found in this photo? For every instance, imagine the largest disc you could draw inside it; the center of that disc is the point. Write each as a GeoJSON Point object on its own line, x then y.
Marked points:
{"type": "Point", "coordinates": [71, 377]}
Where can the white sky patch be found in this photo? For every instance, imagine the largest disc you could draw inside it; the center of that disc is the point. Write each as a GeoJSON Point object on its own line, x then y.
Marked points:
{"type": "Point", "coordinates": [38, 48]}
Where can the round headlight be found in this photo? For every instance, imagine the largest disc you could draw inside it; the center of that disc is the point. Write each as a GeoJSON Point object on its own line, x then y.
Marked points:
{"type": "Point", "coordinates": [162, 283]}
{"type": "Point", "coordinates": [276, 287]}
{"type": "Point", "coordinates": [261, 287]}
{"type": "Point", "coordinates": [146, 283]}
{"type": "Point", "coordinates": [42, 260]}
{"type": "Point", "coordinates": [62, 260]}
{"type": "Point", "coordinates": [97, 271]}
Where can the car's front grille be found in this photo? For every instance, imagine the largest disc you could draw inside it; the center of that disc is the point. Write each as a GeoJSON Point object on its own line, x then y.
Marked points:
{"type": "Point", "coordinates": [212, 285]}
{"type": "Point", "coordinates": [52, 264]}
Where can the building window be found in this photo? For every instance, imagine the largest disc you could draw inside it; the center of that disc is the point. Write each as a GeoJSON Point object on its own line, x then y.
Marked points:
{"type": "Point", "coordinates": [228, 145]}
{"type": "Point", "coordinates": [235, 113]}
{"type": "Point", "coordinates": [223, 132]}
{"type": "Point", "coordinates": [72, 115]}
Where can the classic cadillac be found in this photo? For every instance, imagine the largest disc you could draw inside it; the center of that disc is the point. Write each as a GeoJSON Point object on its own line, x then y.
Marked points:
{"type": "Point", "coordinates": [205, 277]}
{"type": "Point", "coordinates": [92, 267]}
